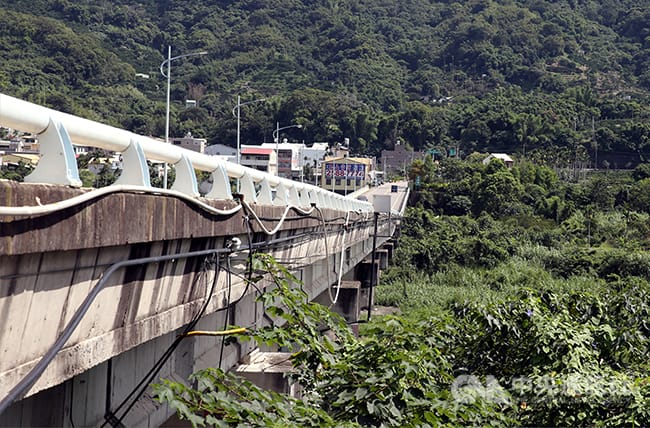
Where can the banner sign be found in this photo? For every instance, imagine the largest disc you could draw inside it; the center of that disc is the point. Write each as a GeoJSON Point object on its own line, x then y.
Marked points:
{"type": "Point", "coordinates": [345, 171]}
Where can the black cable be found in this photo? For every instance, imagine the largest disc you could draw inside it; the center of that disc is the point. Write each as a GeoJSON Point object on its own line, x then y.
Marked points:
{"type": "Point", "coordinates": [276, 241]}
{"type": "Point", "coordinates": [191, 326]}
{"type": "Point", "coordinates": [71, 402]}
{"type": "Point", "coordinates": [38, 369]}
{"type": "Point", "coordinates": [158, 365]}
{"type": "Point", "coordinates": [226, 318]}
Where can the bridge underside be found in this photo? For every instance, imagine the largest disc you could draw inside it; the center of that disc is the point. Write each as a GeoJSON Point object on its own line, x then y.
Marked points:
{"type": "Point", "coordinates": [185, 268]}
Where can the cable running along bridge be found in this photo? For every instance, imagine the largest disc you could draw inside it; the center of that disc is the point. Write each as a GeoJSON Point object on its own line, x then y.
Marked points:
{"type": "Point", "coordinates": [99, 287]}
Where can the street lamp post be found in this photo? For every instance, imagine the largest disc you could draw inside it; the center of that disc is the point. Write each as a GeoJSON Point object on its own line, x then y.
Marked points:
{"type": "Point", "coordinates": [238, 116]}
{"type": "Point", "coordinates": [168, 61]}
{"type": "Point", "coordinates": [276, 137]}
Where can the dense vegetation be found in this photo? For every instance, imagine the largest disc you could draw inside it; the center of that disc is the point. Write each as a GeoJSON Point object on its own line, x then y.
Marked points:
{"type": "Point", "coordinates": [545, 281]}
{"type": "Point", "coordinates": [528, 310]}
{"type": "Point", "coordinates": [525, 75]}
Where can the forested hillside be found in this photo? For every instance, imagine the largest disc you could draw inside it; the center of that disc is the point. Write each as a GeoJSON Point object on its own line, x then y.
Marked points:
{"type": "Point", "coordinates": [527, 76]}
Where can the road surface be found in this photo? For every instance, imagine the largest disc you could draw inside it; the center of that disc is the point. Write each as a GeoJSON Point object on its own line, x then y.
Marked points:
{"type": "Point", "coordinates": [397, 197]}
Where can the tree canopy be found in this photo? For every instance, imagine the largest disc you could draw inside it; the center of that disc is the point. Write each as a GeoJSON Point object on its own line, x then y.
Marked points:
{"type": "Point", "coordinates": [523, 76]}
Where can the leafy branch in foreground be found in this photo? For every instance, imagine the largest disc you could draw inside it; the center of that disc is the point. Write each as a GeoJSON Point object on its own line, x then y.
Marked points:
{"type": "Point", "coordinates": [395, 376]}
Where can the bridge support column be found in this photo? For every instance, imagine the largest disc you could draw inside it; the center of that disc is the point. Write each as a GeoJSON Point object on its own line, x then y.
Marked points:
{"type": "Point", "coordinates": [364, 274]}
{"type": "Point", "coordinates": [267, 370]}
{"type": "Point", "coordinates": [390, 248]}
{"type": "Point", "coordinates": [347, 304]}
{"type": "Point", "coordinates": [382, 258]}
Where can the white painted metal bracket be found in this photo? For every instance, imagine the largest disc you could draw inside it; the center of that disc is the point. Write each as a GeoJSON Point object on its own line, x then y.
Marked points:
{"type": "Point", "coordinates": [265, 197]}
{"type": "Point", "coordinates": [320, 199]}
{"type": "Point", "coordinates": [185, 181]}
{"type": "Point", "coordinates": [28, 117]}
{"type": "Point", "coordinates": [329, 200]}
{"type": "Point", "coordinates": [294, 197]}
{"type": "Point", "coordinates": [281, 195]}
{"type": "Point", "coordinates": [313, 198]}
{"type": "Point", "coordinates": [58, 164]}
{"type": "Point", "coordinates": [135, 171]}
{"type": "Point", "coordinates": [304, 198]}
{"type": "Point", "coordinates": [247, 188]}
{"type": "Point", "coordinates": [220, 185]}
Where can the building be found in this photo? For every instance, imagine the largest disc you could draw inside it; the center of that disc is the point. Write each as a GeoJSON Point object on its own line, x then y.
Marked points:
{"type": "Point", "coordinates": [289, 158]}
{"type": "Point", "coordinates": [13, 159]}
{"type": "Point", "coordinates": [298, 161]}
{"type": "Point", "coordinates": [312, 160]}
{"type": "Point", "coordinates": [260, 158]}
{"type": "Point", "coordinates": [396, 162]}
{"type": "Point", "coordinates": [504, 157]}
{"type": "Point", "coordinates": [190, 143]}
{"type": "Point", "coordinates": [113, 162]}
{"type": "Point", "coordinates": [222, 151]}
{"type": "Point", "coordinates": [345, 175]}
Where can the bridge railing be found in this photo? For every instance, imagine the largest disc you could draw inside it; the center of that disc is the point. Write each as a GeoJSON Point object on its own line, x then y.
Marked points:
{"type": "Point", "coordinates": [58, 132]}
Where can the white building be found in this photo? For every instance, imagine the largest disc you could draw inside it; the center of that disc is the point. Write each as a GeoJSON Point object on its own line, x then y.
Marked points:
{"type": "Point", "coordinates": [190, 143]}
{"type": "Point", "coordinates": [504, 157]}
{"type": "Point", "coordinates": [314, 157]}
{"type": "Point", "coordinates": [289, 156]}
{"type": "Point", "coordinates": [259, 158]}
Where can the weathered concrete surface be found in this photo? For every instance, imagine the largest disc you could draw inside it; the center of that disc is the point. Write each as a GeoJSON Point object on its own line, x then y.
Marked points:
{"type": "Point", "coordinates": [121, 219]}
{"type": "Point", "coordinates": [49, 263]}
{"type": "Point", "coordinates": [268, 370]}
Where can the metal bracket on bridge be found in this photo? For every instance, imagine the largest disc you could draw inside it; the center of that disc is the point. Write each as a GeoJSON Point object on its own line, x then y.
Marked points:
{"type": "Point", "coordinates": [313, 197]}
{"type": "Point", "coordinates": [338, 204]}
{"type": "Point", "coordinates": [185, 181]}
{"type": "Point", "coordinates": [294, 197]}
{"type": "Point", "coordinates": [220, 185]}
{"type": "Point", "coordinates": [328, 200]}
{"type": "Point", "coordinates": [135, 171]}
{"type": "Point", "coordinates": [247, 188]}
{"type": "Point", "coordinates": [265, 197]}
{"type": "Point", "coordinates": [320, 199]}
{"type": "Point", "coordinates": [281, 195]}
{"type": "Point", "coordinates": [58, 164]}
{"type": "Point", "coordinates": [304, 199]}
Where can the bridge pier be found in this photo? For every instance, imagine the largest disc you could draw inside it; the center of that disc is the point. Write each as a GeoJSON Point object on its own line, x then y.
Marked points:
{"type": "Point", "coordinates": [347, 304]}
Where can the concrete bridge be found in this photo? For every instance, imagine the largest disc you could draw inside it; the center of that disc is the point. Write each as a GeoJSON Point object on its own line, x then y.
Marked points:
{"type": "Point", "coordinates": [98, 287]}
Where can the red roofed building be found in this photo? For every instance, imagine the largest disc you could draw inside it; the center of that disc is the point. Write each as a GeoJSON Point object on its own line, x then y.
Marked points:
{"type": "Point", "coordinates": [262, 159]}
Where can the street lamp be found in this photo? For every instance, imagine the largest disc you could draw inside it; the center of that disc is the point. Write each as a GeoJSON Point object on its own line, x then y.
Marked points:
{"type": "Point", "coordinates": [168, 61]}
{"type": "Point", "coordinates": [276, 137]}
{"type": "Point", "coordinates": [238, 116]}
{"type": "Point", "coordinates": [276, 133]}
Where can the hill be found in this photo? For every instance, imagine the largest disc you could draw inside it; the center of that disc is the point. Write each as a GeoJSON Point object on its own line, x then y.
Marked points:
{"type": "Point", "coordinates": [535, 77]}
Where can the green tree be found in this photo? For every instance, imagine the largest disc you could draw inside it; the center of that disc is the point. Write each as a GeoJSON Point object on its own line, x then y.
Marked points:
{"type": "Point", "coordinates": [498, 191]}
{"type": "Point", "coordinates": [639, 195]}
{"type": "Point", "coordinates": [346, 381]}
{"type": "Point", "coordinates": [17, 172]}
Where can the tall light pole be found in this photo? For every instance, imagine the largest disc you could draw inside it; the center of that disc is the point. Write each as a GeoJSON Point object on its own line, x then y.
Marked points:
{"type": "Point", "coordinates": [168, 61]}
{"type": "Point", "coordinates": [276, 137]}
{"type": "Point", "coordinates": [238, 116]}
{"type": "Point", "coordinates": [276, 133]}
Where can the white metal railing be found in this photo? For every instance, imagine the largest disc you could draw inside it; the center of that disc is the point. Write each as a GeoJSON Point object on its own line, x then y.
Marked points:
{"type": "Point", "coordinates": [59, 131]}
